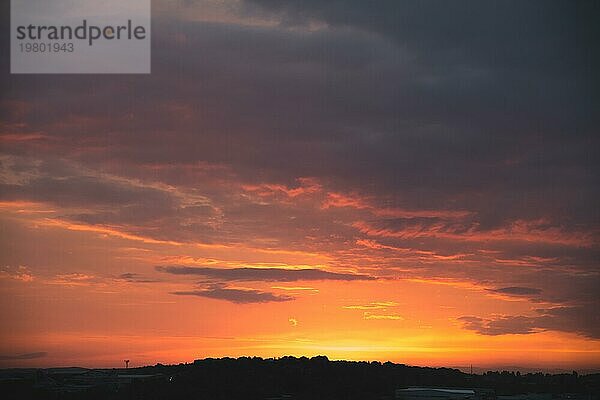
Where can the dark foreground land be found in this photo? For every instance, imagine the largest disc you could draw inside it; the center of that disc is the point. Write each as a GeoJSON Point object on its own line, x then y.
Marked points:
{"type": "Point", "coordinates": [283, 378]}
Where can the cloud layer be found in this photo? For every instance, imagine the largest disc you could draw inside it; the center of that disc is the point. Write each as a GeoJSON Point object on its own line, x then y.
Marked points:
{"type": "Point", "coordinates": [407, 141]}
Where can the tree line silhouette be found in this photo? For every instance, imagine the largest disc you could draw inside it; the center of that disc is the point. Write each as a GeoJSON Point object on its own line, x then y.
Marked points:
{"type": "Point", "coordinates": [291, 378]}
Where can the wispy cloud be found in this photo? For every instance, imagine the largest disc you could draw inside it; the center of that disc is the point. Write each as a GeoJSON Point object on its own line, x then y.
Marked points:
{"type": "Point", "coordinates": [528, 231]}
{"type": "Point", "coordinates": [296, 288]}
{"type": "Point", "coordinates": [135, 278]}
{"type": "Point", "coordinates": [264, 274]}
{"type": "Point", "coordinates": [25, 356]}
{"type": "Point", "coordinates": [372, 306]}
{"type": "Point", "coordinates": [517, 291]}
{"type": "Point", "coordinates": [20, 273]}
{"type": "Point", "coordinates": [392, 317]}
{"type": "Point", "coordinates": [74, 279]}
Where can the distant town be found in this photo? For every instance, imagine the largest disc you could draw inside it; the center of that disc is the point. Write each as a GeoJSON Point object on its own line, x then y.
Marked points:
{"type": "Point", "coordinates": [291, 378]}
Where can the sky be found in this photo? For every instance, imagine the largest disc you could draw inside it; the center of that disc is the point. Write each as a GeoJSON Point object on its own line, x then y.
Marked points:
{"type": "Point", "coordinates": [411, 181]}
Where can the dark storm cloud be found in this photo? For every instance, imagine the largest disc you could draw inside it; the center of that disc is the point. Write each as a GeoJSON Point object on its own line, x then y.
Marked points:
{"type": "Point", "coordinates": [264, 274]}
{"type": "Point", "coordinates": [26, 356]}
{"type": "Point", "coordinates": [519, 34]}
{"type": "Point", "coordinates": [239, 296]}
{"type": "Point", "coordinates": [501, 87]}
{"type": "Point", "coordinates": [344, 105]}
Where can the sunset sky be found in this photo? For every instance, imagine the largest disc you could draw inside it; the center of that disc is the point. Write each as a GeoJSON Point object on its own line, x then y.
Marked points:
{"type": "Point", "coordinates": [411, 181]}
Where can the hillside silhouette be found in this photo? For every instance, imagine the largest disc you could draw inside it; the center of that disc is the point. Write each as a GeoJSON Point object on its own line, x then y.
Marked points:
{"type": "Point", "coordinates": [283, 378]}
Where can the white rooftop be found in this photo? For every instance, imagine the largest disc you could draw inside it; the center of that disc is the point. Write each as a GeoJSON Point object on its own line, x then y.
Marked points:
{"type": "Point", "coordinates": [441, 390]}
